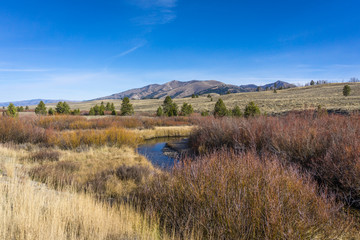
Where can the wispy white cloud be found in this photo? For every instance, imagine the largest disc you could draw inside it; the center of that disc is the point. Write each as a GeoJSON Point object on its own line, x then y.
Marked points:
{"type": "Point", "coordinates": [154, 18]}
{"type": "Point", "coordinates": [157, 11]}
{"type": "Point", "coordinates": [129, 51]}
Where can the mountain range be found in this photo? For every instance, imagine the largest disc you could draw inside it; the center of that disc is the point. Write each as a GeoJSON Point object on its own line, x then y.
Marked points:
{"type": "Point", "coordinates": [29, 102]}
{"type": "Point", "coordinates": [179, 89]}
{"type": "Point", "coordinates": [174, 89]}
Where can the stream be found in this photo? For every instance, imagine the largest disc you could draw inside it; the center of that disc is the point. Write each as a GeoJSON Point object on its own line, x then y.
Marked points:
{"type": "Point", "coordinates": [159, 153]}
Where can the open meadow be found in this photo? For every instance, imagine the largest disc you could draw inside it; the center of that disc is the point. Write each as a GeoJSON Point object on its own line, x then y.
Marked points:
{"type": "Point", "coordinates": [329, 96]}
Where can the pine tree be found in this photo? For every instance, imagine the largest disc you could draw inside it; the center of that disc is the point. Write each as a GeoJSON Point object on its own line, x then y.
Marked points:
{"type": "Point", "coordinates": [169, 107]}
{"type": "Point", "coordinates": [41, 108]}
{"type": "Point", "coordinates": [126, 107]}
{"type": "Point", "coordinates": [75, 112]}
{"type": "Point", "coordinates": [92, 111]}
{"type": "Point", "coordinates": [251, 110]}
{"type": "Point", "coordinates": [62, 108]}
{"type": "Point", "coordinates": [108, 107]}
{"type": "Point", "coordinates": [346, 90]}
{"type": "Point", "coordinates": [11, 110]}
{"type": "Point", "coordinates": [236, 112]}
{"type": "Point", "coordinates": [186, 109]}
{"type": "Point", "coordinates": [112, 107]}
{"type": "Point", "coordinates": [102, 109]}
{"type": "Point", "coordinates": [220, 108]}
{"type": "Point", "coordinates": [51, 111]}
{"type": "Point", "coordinates": [159, 111]}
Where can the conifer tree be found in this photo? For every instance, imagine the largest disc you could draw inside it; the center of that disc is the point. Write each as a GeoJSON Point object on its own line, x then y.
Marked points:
{"type": "Point", "coordinates": [346, 90]}
{"type": "Point", "coordinates": [126, 107]}
{"type": "Point", "coordinates": [220, 108]}
{"type": "Point", "coordinates": [41, 108]}
{"type": "Point", "coordinates": [251, 110]}
{"type": "Point", "coordinates": [11, 110]}
{"type": "Point", "coordinates": [186, 109]}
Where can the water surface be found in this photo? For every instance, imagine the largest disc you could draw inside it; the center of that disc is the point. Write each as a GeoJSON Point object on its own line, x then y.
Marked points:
{"type": "Point", "coordinates": [153, 151]}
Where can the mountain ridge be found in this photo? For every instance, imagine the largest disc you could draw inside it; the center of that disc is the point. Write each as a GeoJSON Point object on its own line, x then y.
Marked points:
{"type": "Point", "coordinates": [180, 89]}
{"type": "Point", "coordinates": [31, 102]}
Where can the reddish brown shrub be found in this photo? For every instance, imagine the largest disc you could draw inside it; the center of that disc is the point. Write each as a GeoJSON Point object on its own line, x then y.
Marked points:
{"type": "Point", "coordinates": [228, 196]}
{"type": "Point", "coordinates": [327, 146]}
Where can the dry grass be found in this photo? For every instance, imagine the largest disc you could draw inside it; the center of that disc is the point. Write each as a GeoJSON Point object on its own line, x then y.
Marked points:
{"type": "Point", "coordinates": [68, 122]}
{"type": "Point", "coordinates": [108, 172]}
{"type": "Point", "coordinates": [327, 95]}
{"type": "Point", "coordinates": [158, 132]}
{"type": "Point", "coordinates": [32, 211]}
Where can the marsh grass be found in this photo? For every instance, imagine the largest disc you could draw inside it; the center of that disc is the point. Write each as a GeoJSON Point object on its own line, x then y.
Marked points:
{"type": "Point", "coordinates": [230, 196]}
{"type": "Point", "coordinates": [107, 172]}
{"type": "Point", "coordinates": [32, 211]}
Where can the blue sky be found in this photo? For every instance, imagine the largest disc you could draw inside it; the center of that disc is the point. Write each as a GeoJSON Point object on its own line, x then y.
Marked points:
{"type": "Point", "coordinates": [86, 49]}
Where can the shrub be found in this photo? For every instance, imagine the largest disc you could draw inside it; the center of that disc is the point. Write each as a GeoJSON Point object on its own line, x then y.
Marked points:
{"type": "Point", "coordinates": [205, 113]}
{"type": "Point", "coordinates": [251, 110]}
{"type": "Point", "coordinates": [159, 111]}
{"type": "Point", "coordinates": [346, 90]}
{"type": "Point", "coordinates": [326, 146]}
{"type": "Point", "coordinates": [41, 108]}
{"type": "Point", "coordinates": [220, 108]}
{"type": "Point", "coordinates": [228, 196]}
{"type": "Point", "coordinates": [20, 131]}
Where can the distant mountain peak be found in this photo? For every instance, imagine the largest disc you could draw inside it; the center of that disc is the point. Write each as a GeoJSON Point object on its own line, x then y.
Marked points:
{"type": "Point", "coordinates": [180, 89]}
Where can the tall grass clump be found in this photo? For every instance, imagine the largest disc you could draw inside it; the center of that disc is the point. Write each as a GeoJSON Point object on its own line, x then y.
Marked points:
{"type": "Point", "coordinates": [77, 138]}
{"type": "Point", "coordinates": [32, 212]}
{"type": "Point", "coordinates": [327, 146]}
{"type": "Point", "coordinates": [69, 122]}
{"type": "Point", "coordinates": [229, 196]}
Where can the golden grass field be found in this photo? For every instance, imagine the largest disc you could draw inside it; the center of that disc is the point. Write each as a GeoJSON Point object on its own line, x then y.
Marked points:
{"type": "Point", "coordinates": [33, 211]}
{"type": "Point", "coordinates": [328, 96]}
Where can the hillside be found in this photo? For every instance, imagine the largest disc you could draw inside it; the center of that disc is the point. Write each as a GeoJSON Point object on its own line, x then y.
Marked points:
{"type": "Point", "coordinates": [178, 89]}
{"type": "Point", "coordinates": [328, 95]}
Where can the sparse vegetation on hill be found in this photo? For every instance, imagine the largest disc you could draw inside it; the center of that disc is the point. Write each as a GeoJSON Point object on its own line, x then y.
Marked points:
{"type": "Point", "coordinates": [329, 96]}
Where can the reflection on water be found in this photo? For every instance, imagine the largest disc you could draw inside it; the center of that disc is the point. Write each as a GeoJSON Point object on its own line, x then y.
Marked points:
{"type": "Point", "coordinates": [153, 150]}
